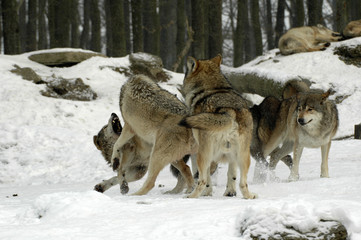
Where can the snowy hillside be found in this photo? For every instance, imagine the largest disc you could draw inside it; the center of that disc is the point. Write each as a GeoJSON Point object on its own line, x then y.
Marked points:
{"type": "Point", "coordinates": [49, 165]}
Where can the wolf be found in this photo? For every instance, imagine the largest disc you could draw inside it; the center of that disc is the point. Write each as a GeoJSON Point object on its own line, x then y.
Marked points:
{"type": "Point", "coordinates": [264, 120]}
{"type": "Point", "coordinates": [308, 119]}
{"type": "Point", "coordinates": [152, 114]}
{"type": "Point", "coordinates": [307, 39]}
{"type": "Point", "coordinates": [221, 124]}
{"type": "Point", "coordinates": [352, 29]}
{"type": "Point", "coordinates": [136, 150]}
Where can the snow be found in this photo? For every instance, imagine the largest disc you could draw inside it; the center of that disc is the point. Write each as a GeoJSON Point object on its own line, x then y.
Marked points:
{"type": "Point", "coordinates": [49, 165]}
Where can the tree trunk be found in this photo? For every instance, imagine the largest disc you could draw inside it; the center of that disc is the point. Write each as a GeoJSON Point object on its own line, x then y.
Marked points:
{"type": "Point", "coordinates": [299, 11]}
{"type": "Point", "coordinates": [181, 26]}
{"type": "Point", "coordinates": [215, 41]}
{"type": "Point", "coordinates": [95, 26]}
{"type": "Point", "coordinates": [256, 27]}
{"type": "Point", "coordinates": [118, 34]}
{"type": "Point", "coordinates": [108, 28]}
{"type": "Point", "coordinates": [238, 38]}
{"type": "Point", "coordinates": [126, 8]}
{"type": "Point", "coordinates": [85, 35]}
{"type": "Point", "coordinates": [31, 26]}
{"type": "Point", "coordinates": [314, 8]}
{"type": "Point", "coordinates": [151, 27]}
{"type": "Point", "coordinates": [74, 23]}
{"type": "Point", "coordinates": [59, 25]}
{"type": "Point", "coordinates": [269, 26]}
{"type": "Point", "coordinates": [247, 42]}
{"type": "Point", "coordinates": [279, 29]}
{"type": "Point", "coordinates": [10, 26]}
{"type": "Point", "coordinates": [198, 46]}
{"type": "Point", "coordinates": [137, 26]}
{"type": "Point", "coordinates": [340, 15]}
{"type": "Point", "coordinates": [355, 10]}
{"type": "Point", "coordinates": [42, 41]}
{"type": "Point", "coordinates": [168, 14]}
{"type": "Point", "coordinates": [22, 26]}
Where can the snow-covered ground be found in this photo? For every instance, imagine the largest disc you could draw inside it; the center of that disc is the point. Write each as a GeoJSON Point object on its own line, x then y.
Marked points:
{"type": "Point", "coordinates": [49, 166]}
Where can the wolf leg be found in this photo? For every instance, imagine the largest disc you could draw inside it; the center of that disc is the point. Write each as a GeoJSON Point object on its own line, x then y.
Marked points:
{"type": "Point", "coordinates": [297, 152]}
{"type": "Point", "coordinates": [186, 176]}
{"type": "Point", "coordinates": [244, 161]}
{"type": "Point", "coordinates": [231, 180]}
{"type": "Point", "coordinates": [280, 153]}
{"type": "Point", "coordinates": [124, 137]}
{"type": "Point", "coordinates": [106, 184]}
{"type": "Point", "coordinates": [325, 149]}
{"type": "Point", "coordinates": [203, 164]}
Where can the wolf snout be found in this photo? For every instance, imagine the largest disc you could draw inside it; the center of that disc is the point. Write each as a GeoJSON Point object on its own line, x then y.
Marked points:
{"type": "Point", "coordinates": [301, 121]}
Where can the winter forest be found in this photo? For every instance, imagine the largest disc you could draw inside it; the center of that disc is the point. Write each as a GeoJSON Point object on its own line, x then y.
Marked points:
{"type": "Point", "coordinates": [171, 29]}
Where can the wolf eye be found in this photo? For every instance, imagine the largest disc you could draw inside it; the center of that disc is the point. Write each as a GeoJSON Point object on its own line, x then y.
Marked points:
{"type": "Point", "coordinates": [299, 108]}
{"type": "Point", "coordinates": [310, 109]}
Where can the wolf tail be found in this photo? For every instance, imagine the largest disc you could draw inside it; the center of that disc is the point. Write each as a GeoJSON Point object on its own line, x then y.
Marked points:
{"type": "Point", "coordinates": [208, 121]}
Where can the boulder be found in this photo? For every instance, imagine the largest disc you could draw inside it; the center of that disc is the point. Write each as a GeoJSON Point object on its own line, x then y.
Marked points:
{"type": "Point", "coordinates": [62, 58]}
{"type": "Point", "coordinates": [349, 54]}
{"type": "Point", "coordinates": [71, 89]}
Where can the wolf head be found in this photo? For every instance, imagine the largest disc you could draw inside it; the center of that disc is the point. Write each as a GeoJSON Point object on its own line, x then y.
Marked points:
{"type": "Point", "coordinates": [202, 73]}
{"type": "Point", "coordinates": [311, 108]}
{"type": "Point", "coordinates": [107, 136]}
{"type": "Point", "coordinates": [325, 31]}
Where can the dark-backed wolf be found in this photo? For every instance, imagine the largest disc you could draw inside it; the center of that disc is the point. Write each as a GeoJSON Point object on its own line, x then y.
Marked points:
{"type": "Point", "coordinates": [308, 119]}
{"type": "Point", "coordinates": [135, 150]}
{"type": "Point", "coordinates": [221, 123]}
{"type": "Point", "coordinates": [153, 114]}
{"type": "Point", "coordinates": [307, 39]}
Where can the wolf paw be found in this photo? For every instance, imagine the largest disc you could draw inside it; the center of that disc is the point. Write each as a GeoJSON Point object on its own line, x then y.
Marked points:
{"type": "Point", "coordinates": [293, 178]}
{"type": "Point", "coordinates": [99, 188]}
{"type": "Point", "coordinates": [124, 189]}
{"type": "Point", "coordinates": [115, 164]}
{"type": "Point", "coordinates": [230, 194]}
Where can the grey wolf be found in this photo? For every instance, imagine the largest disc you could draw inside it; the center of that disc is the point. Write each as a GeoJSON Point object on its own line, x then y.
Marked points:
{"type": "Point", "coordinates": [221, 124]}
{"type": "Point", "coordinates": [352, 29]}
{"type": "Point", "coordinates": [152, 114]}
{"type": "Point", "coordinates": [308, 119]}
{"type": "Point", "coordinates": [307, 39]}
{"type": "Point", "coordinates": [137, 153]}
{"type": "Point", "coordinates": [264, 122]}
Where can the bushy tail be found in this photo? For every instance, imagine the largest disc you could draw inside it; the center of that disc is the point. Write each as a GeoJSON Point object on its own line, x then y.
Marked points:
{"type": "Point", "coordinates": [208, 121]}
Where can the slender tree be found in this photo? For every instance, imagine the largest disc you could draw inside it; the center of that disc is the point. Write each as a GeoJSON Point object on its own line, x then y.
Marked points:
{"type": "Point", "coordinates": [198, 46]}
{"type": "Point", "coordinates": [10, 26]}
{"type": "Point", "coordinates": [215, 40]}
{"type": "Point", "coordinates": [42, 40]}
{"type": "Point", "coordinates": [167, 16]}
{"type": "Point", "coordinates": [269, 26]}
{"type": "Point", "coordinates": [181, 25]}
{"type": "Point", "coordinates": [137, 27]}
{"type": "Point", "coordinates": [126, 9]}
{"type": "Point", "coordinates": [298, 10]}
{"type": "Point", "coordinates": [22, 26]}
{"type": "Point", "coordinates": [279, 29]}
{"type": "Point", "coordinates": [95, 44]}
{"type": "Point", "coordinates": [151, 27]}
{"type": "Point", "coordinates": [340, 15]}
{"type": "Point", "coordinates": [117, 25]}
{"type": "Point", "coordinates": [85, 35]}
{"type": "Point", "coordinates": [74, 23]}
{"type": "Point", "coordinates": [31, 41]}
{"type": "Point", "coordinates": [256, 27]}
{"type": "Point", "coordinates": [238, 39]}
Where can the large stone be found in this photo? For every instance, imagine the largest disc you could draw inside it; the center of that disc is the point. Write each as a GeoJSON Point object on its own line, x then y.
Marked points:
{"type": "Point", "coordinates": [349, 55]}
{"type": "Point", "coordinates": [62, 58]}
{"type": "Point", "coordinates": [71, 89]}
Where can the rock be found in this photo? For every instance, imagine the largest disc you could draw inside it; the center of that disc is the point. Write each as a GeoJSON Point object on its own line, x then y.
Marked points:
{"type": "Point", "coordinates": [27, 74]}
{"type": "Point", "coordinates": [149, 65]}
{"type": "Point", "coordinates": [62, 58]}
{"type": "Point", "coordinates": [326, 229]}
{"type": "Point", "coordinates": [349, 55]}
{"type": "Point", "coordinates": [71, 89]}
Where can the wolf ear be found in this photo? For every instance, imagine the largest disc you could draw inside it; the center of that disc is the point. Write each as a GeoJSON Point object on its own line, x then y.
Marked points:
{"type": "Point", "coordinates": [95, 140]}
{"type": "Point", "coordinates": [116, 126]}
{"type": "Point", "coordinates": [325, 95]}
{"type": "Point", "coordinates": [192, 64]}
{"type": "Point", "coordinates": [217, 59]}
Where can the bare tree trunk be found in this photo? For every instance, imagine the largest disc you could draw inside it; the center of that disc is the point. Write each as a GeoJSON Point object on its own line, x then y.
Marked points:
{"type": "Point", "coordinates": [74, 23]}
{"type": "Point", "coordinates": [198, 46]}
{"type": "Point", "coordinates": [42, 41]}
{"type": "Point", "coordinates": [31, 26]}
{"type": "Point", "coordinates": [95, 26]}
{"type": "Point", "coordinates": [215, 28]}
{"type": "Point", "coordinates": [151, 27]}
{"type": "Point", "coordinates": [340, 15]}
{"type": "Point", "coordinates": [168, 19]}
{"type": "Point", "coordinates": [269, 26]}
{"type": "Point", "coordinates": [117, 25]}
{"type": "Point", "coordinates": [180, 38]}
{"type": "Point", "coordinates": [85, 35]}
{"type": "Point", "coordinates": [22, 26]}
{"type": "Point", "coordinates": [256, 27]}
{"type": "Point", "coordinates": [10, 27]}
{"type": "Point", "coordinates": [128, 43]}
{"type": "Point", "coordinates": [279, 29]}
{"type": "Point", "coordinates": [137, 25]}
{"type": "Point", "coordinates": [108, 28]}
{"type": "Point", "coordinates": [238, 39]}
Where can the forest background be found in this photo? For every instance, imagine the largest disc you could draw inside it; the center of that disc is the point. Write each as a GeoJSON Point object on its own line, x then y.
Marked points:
{"type": "Point", "coordinates": [238, 29]}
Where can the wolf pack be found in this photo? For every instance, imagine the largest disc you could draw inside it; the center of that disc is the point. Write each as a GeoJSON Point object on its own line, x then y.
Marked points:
{"type": "Point", "coordinates": [214, 124]}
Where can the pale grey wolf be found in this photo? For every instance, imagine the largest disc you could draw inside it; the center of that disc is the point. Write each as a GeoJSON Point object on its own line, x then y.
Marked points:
{"type": "Point", "coordinates": [308, 119]}
{"type": "Point", "coordinates": [264, 122]}
{"type": "Point", "coordinates": [307, 39]}
{"type": "Point", "coordinates": [352, 29]}
{"type": "Point", "coordinates": [137, 153]}
{"type": "Point", "coordinates": [221, 123]}
{"type": "Point", "coordinates": [153, 114]}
